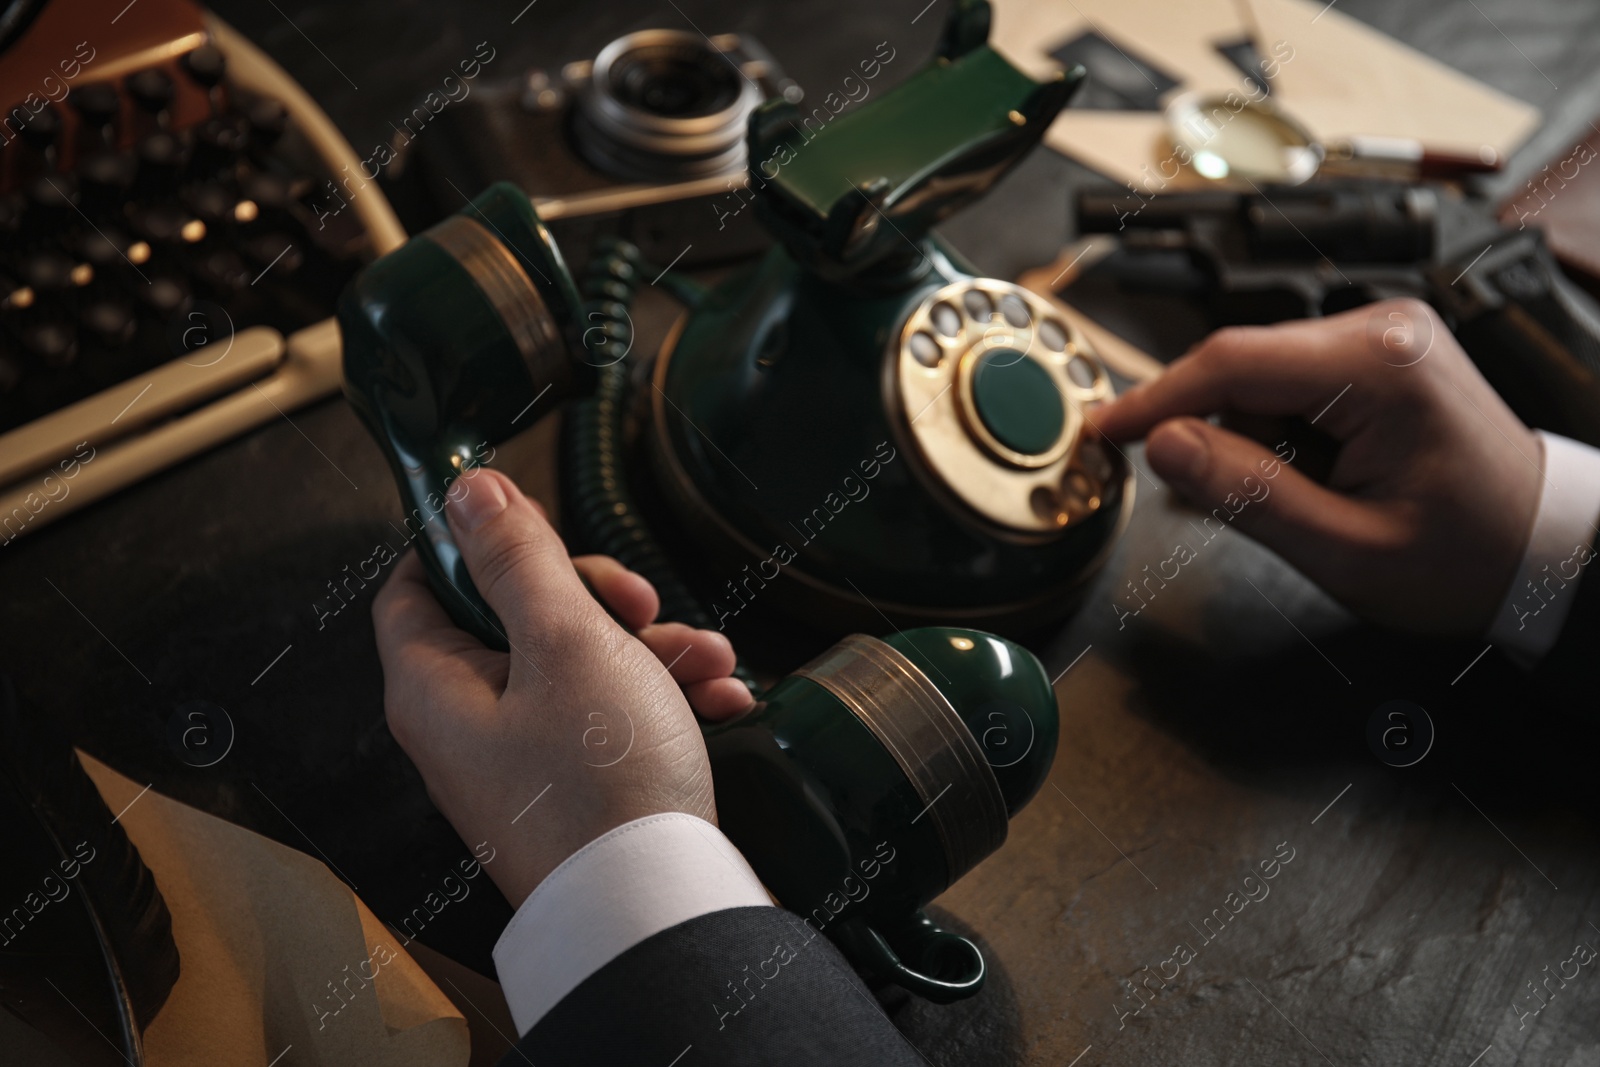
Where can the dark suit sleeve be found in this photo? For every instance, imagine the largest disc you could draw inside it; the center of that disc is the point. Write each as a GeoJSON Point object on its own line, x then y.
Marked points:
{"type": "Point", "coordinates": [743, 986]}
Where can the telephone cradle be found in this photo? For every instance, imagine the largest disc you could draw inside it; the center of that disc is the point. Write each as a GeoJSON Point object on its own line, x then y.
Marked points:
{"type": "Point", "coordinates": [857, 428]}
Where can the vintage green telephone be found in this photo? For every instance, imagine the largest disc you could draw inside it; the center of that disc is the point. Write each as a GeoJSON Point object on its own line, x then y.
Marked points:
{"type": "Point", "coordinates": [859, 350]}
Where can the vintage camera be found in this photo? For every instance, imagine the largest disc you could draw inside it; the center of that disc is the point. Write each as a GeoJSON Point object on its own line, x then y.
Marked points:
{"type": "Point", "coordinates": [620, 144]}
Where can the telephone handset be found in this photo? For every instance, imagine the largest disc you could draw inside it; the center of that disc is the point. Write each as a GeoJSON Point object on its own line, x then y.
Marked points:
{"type": "Point", "coordinates": [865, 783]}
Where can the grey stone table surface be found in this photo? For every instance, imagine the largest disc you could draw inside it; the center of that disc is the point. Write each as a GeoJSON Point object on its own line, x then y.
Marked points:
{"type": "Point", "coordinates": [1220, 729]}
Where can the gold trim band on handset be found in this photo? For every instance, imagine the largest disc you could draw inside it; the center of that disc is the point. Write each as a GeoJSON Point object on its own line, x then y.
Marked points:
{"type": "Point", "coordinates": [503, 282]}
{"type": "Point", "coordinates": [916, 723]}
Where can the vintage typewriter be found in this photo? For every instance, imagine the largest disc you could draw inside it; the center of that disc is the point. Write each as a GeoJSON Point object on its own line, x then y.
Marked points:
{"type": "Point", "coordinates": [168, 261]}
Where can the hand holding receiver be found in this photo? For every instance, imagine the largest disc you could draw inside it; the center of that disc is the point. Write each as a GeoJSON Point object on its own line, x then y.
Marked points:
{"type": "Point", "coordinates": [580, 715]}
{"type": "Point", "coordinates": [1429, 505]}
{"type": "Point", "coordinates": [859, 789]}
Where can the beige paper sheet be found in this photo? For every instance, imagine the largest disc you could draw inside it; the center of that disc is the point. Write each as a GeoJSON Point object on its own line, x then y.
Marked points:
{"type": "Point", "coordinates": [1347, 79]}
{"type": "Point", "coordinates": [1172, 37]}
{"type": "Point", "coordinates": [1343, 79]}
{"type": "Point", "coordinates": [262, 930]}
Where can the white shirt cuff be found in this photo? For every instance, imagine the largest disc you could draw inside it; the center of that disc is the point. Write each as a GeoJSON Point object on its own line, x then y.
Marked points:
{"type": "Point", "coordinates": [623, 887]}
{"type": "Point", "coordinates": [1564, 531]}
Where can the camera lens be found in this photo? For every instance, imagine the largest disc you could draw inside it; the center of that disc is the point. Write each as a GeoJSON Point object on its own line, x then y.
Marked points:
{"type": "Point", "coordinates": [664, 105]}
{"type": "Point", "coordinates": [675, 81]}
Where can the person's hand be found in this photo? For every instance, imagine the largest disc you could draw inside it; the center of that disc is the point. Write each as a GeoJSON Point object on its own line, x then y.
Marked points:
{"type": "Point", "coordinates": [581, 727]}
{"type": "Point", "coordinates": [1431, 501]}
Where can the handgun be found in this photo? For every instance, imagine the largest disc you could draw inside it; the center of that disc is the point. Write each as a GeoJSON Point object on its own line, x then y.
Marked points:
{"type": "Point", "coordinates": [1290, 252]}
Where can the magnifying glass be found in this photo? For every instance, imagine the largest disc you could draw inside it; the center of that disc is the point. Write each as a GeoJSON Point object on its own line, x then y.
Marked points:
{"type": "Point", "coordinates": [1227, 137]}
{"type": "Point", "coordinates": [1230, 137]}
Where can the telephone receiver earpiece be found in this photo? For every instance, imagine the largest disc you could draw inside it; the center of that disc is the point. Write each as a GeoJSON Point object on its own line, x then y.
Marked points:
{"type": "Point", "coordinates": [465, 335]}
{"type": "Point", "coordinates": [860, 786]}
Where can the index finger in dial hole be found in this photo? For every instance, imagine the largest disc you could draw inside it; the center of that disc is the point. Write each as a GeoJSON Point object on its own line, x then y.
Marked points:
{"type": "Point", "coordinates": [1294, 369]}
